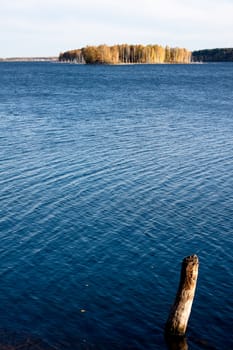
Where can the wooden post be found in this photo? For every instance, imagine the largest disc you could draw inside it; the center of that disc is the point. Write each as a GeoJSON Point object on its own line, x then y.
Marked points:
{"type": "Point", "coordinates": [178, 319]}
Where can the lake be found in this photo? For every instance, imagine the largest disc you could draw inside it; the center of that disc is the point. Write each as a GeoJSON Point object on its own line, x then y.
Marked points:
{"type": "Point", "coordinates": [110, 176]}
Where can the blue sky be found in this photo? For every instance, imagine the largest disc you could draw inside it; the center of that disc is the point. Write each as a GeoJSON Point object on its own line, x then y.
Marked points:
{"type": "Point", "coordinates": [47, 27]}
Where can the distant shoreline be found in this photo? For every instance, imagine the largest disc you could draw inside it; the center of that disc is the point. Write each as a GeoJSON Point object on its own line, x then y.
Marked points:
{"type": "Point", "coordinates": [56, 60]}
{"type": "Point", "coordinates": [29, 59]}
{"type": "Point", "coordinates": [132, 54]}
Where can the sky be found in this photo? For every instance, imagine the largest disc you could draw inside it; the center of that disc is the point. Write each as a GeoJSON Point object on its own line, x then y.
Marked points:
{"type": "Point", "coordinates": [47, 27]}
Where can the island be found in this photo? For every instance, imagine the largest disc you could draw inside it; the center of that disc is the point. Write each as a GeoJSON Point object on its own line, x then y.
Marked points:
{"type": "Point", "coordinates": [126, 54]}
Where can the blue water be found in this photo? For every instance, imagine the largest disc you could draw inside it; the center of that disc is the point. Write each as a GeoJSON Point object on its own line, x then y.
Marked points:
{"type": "Point", "coordinates": [110, 176]}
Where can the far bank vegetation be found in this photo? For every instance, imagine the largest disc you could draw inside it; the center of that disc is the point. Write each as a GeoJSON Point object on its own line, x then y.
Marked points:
{"type": "Point", "coordinates": [213, 55]}
{"type": "Point", "coordinates": [126, 54]}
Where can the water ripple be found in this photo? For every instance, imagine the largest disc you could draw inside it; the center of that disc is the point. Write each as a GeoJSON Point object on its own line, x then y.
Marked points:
{"type": "Point", "coordinates": [103, 193]}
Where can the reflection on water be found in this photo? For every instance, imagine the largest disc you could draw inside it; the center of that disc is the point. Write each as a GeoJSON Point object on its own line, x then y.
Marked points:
{"type": "Point", "coordinates": [176, 343]}
{"type": "Point", "coordinates": [181, 343]}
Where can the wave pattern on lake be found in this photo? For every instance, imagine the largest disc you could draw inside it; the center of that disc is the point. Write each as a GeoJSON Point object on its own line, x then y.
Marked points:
{"type": "Point", "coordinates": [110, 175]}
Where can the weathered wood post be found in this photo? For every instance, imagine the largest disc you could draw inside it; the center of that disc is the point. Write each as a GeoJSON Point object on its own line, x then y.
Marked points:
{"type": "Point", "coordinates": [178, 319]}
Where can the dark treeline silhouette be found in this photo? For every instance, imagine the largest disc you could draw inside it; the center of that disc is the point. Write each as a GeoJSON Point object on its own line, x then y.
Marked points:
{"type": "Point", "coordinates": [213, 55]}
{"type": "Point", "coordinates": [119, 54]}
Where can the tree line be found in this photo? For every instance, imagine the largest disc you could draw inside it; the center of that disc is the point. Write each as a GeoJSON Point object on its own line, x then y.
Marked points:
{"type": "Point", "coordinates": [213, 55]}
{"type": "Point", "coordinates": [124, 53]}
